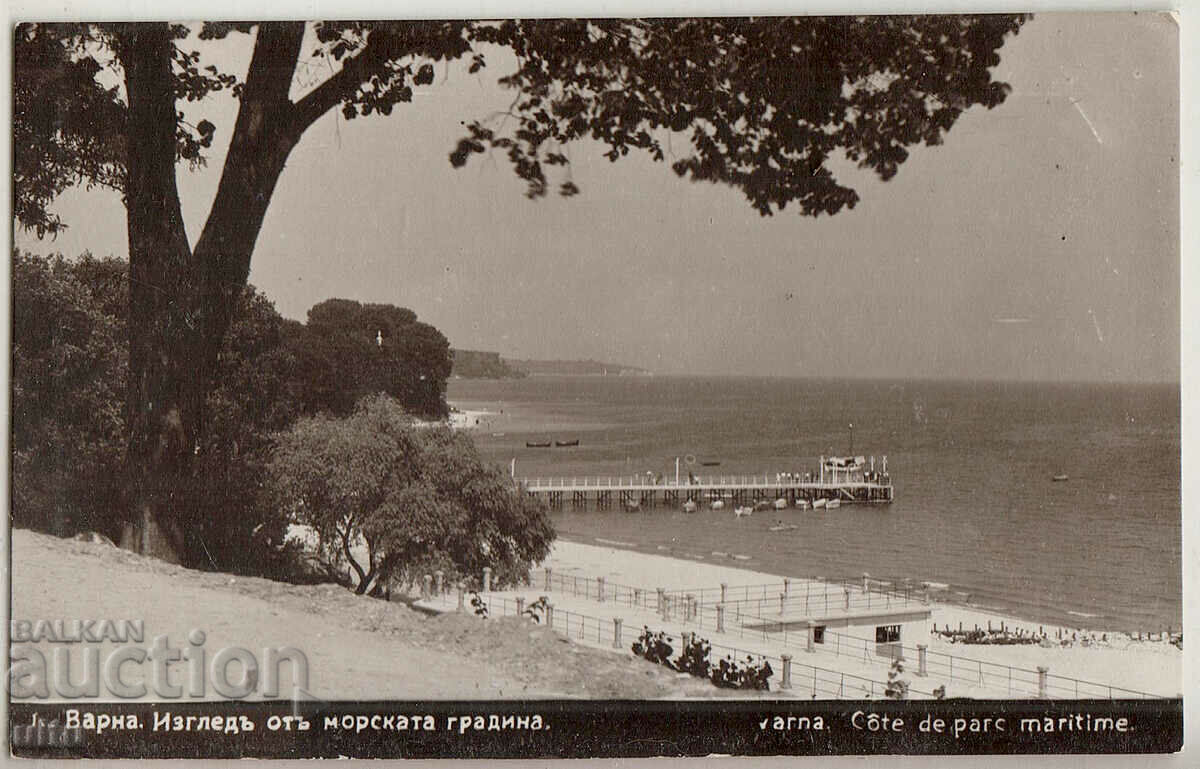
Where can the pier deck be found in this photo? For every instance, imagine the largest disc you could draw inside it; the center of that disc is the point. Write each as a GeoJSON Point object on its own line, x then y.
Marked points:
{"type": "Point", "coordinates": [636, 490]}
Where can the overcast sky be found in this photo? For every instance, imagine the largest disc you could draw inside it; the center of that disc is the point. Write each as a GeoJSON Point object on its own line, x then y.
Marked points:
{"type": "Point", "coordinates": [1041, 241]}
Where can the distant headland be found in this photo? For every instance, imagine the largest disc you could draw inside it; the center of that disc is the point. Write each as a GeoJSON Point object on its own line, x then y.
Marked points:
{"type": "Point", "coordinates": [480, 364]}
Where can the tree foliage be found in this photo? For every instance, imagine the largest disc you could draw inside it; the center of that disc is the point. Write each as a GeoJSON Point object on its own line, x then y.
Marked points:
{"type": "Point", "coordinates": [68, 375]}
{"type": "Point", "coordinates": [353, 349]}
{"type": "Point", "coordinates": [413, 499]}
{"type": "Point", "coordinates": [70, 357]}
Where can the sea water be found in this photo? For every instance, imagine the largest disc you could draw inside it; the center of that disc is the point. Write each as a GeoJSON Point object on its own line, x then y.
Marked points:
{"type": "Point", "coordinates": [973, 463]}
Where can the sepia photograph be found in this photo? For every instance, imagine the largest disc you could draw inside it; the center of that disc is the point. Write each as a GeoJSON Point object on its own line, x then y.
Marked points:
{"type": "Point", "coordinates": [604, 386]}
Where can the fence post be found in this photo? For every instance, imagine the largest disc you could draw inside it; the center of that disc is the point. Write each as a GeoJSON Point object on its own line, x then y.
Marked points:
{"type": "Point", "coordinates": [1042, 671]}
{"type": "Point", "coordinates": [689, 608]}
{"type": "Point", "coordinates": [487, 579]}
{"type": "Point", "coordinates": [548, 571]}
{"type": "Point", "coordinates": [462, 604]}
{"type": "Point", "coordinates": [426, 587]}
{"type": "Point", "coordinates": [616, 632]}
{"type": "Point", "coordinates": [812, 633]}
{"type": "Point", "coordinates": [782, 598]}
{"type": "Point", "coordinates": [847, 599]}
{"type": "Point", "coordinates": [866, 581]}
{"type": "Point", "coordinates": [787, 672]}
{"type": "Point", "coordinates": [787, 584]}
{"type": "Point", "coordinates": [520, 605]}
{"type": "Point", "coordinates": [720, 618]}
{"type": "Point", "coordinates": [439, 581]}
{"type": "Point", "coordinates": [724, 587]}
{"type": "Point", "coordinates": [600, 589]}
{"type": "Point", "coordinates": [666, 609]}
{"type": "Point", "coordinates": [550, 615]}
{"type": "Point", "coordinates": [660, 605]}
{"type": "Point", "coordinates": [922, 669]}
{"type": "Point", "coordinates": [637, 596]}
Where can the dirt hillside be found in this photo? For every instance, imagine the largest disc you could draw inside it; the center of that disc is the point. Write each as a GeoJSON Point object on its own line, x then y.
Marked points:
{"type": "Point", "coordinates": [357, 648]}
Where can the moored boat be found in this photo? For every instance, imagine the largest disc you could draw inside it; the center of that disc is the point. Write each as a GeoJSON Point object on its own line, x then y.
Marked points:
{"type": "Point", "coordinates": [537, 444]}
{"type": "Point", "coordinates": [562, 444]}
{"type": "Point", "coordinates": [781, 504]}
{"type": "Point", "coordinates": [1061, 477]}
{"type": "Point", "coordinates": [802, 504]}
{"type": "Point", "coordinates": [689, 506]}
{"type": "Point", "coordinates": [833, 503]}
{"type": "Point", "coordinates": [718, 505]}
{"type": "Point", "coordinates": [742, 512]}
{"type": "Point", "coordinates": [818, 503]}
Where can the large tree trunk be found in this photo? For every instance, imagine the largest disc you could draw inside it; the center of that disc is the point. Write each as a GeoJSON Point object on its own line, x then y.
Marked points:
{"type": "Point", "coordinates": [182, 302]}
{"type": "Point", "coordinates": [164, 393]}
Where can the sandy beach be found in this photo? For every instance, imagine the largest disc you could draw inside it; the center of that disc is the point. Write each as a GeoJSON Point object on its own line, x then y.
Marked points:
{"type": "Point", "coordinates": [1077, 668]}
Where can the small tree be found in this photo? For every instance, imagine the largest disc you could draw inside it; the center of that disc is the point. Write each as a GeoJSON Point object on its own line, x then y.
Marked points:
{"type": "Point", "coordinates": [409, 499]}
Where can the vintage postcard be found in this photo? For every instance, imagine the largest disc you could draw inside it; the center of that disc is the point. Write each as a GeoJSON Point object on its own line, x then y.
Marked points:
{"type": "Point", "coordinates": [596, 387]}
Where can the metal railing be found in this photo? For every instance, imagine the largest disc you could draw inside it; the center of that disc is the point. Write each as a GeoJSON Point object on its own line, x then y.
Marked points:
{"type": "Point", "coordinates": [642, 482]}
{"type": "Point", "coordinates": [804, 677]}
{"type": "Point", "coordinates": [951, 667]}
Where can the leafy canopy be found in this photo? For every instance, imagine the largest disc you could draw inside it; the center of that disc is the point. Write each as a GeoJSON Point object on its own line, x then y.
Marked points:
{"type": "Point", "coordinates": [761, 104]}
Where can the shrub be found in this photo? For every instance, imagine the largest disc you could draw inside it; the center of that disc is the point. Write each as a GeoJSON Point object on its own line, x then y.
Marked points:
{"type": "Point", "coordinates": [897, 687]}
{"type": "Point", "coordinates": [655, 647]}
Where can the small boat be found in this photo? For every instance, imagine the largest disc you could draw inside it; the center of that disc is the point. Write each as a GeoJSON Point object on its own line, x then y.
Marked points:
{"type": "Point", "coordinates": [833, 503]}
{"type": "Point", "coordinates": [802, 504]}
{"type": "Point", "coordinates": [497, 435]}
{"type": "Point", "coordinates": [536, 445]}
{"type": "Point", "coordinates": [760, 506]}
{"type": "Point", "coordinates": [718, 505]}
{"type": "Point", "coordinates": [562, 444]}
{"type": "Point", "coordinates": [784, 527]}
{"type": "Point", "coordinates": [781, 504]}
{"type": "Point", "coordinates": [632, 506]}
{"type": "Point", "coordinates": [689, 506]}
{"type": "Point", "coordinates": [711, 463]}
{"type": "Point", "coordinates": [818, 503]}
{"type": "Point", "coordinates": [742, 512]}
{"type": "Point", "coordinates": [1062, 477]}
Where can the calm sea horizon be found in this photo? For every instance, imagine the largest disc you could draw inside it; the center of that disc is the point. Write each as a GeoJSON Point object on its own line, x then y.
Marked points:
{"type": "Point", "coordinates": [972, 463]}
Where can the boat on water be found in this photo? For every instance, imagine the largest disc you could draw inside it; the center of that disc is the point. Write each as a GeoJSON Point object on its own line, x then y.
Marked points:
{"type": "Point", "coordinates": [760, 506]}
{"type": "Point", "coordinates": [781, 504]}
{"type": "Point", "coordinates": [562, 444]}
{"type": "Point", "coordinates": [537, 444]}
{"type": "Point", "coordinates": [1061, 477]}
{"type": "Point", "coordinates": [632, 506]}
{"type": "Point", "coordinates": [690, 506]}
{"type": "Point", "coordinates": [718, 505]}
{"type": "Point", "coordinates": [818, 503]}
{"type": "Point", "coordinates": [802, 504]}
{"type": "Point", "coordinates": [784, 527]}
{"type": "Point", "coordinates": [742, 512]}
{"type": "Point", "coordinates": [833, 503]}
{"type": "Point", "coordinates": [710, 463]}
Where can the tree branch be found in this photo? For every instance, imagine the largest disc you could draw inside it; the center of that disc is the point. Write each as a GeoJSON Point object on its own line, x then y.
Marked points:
{"type": "Point", "coordinates": [382, 46]}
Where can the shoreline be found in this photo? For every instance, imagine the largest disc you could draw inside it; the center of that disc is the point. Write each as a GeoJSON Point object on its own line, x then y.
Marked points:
{"type": "Point", "coordinates": [1104, 658]}
{"type": "Point", "coordinates": [951, 612]}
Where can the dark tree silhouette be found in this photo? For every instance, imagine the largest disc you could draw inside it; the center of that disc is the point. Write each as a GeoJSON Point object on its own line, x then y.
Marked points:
{"type": "Point", "coordinates": [763, 103]}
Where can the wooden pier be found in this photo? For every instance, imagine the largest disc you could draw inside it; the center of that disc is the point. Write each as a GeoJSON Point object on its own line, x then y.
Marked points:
{"type": "Point", "coordinates": [632, 492]}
